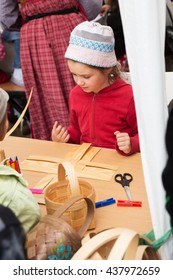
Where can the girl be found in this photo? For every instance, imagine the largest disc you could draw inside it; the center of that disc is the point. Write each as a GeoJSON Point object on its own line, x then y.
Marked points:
{"type": "Point", "coordinates": [102, 110]}
{"type": "Point", "coordinates": [44, 39]}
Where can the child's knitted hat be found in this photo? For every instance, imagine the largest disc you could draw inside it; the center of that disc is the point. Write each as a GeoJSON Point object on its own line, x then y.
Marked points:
{"type": "Point", "coordinates": [93, 44]}
{"type": "Point", "coordinates": [3, 103]}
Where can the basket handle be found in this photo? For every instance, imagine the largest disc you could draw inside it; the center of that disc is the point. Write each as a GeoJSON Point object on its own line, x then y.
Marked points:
{"type": "Point", "coordinates": [89, 216]}
{"type": "Point", "coordinates": [126, 242]}
{"type": "Point", "coordinates": [147, 253]}
{"type": "Point", "coordinates": [125, 247]}
{"type": "Point", "coordinates": [67, 168]}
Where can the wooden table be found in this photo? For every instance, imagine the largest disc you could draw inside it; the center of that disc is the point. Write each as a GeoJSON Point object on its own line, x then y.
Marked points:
{"type": "Point", "coordinates": [11, 87]}
{"type": "Point", "coordinates": [136, 218]}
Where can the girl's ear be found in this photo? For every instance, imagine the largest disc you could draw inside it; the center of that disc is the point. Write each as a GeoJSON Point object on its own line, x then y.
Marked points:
{"type": "Point", "coordinates": [109, 70]}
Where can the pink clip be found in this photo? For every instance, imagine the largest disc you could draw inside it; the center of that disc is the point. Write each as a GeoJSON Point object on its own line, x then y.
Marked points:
{"type": "Point", "coordinates": [36, 191]}
{"type": "Point", "coordinates": [128, 203]}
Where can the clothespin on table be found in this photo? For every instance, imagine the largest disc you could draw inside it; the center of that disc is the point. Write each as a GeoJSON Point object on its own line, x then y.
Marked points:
{"type": "Point", "coordinates": [105, 202]}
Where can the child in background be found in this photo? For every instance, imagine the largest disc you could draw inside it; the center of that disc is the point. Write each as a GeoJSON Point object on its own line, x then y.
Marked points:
{"type": "Point", "coordinates": [102, 109]}
{"type": "Point", "coordinates": [13, 187]}
{"type": "Point", "coordinates": [111, 9]}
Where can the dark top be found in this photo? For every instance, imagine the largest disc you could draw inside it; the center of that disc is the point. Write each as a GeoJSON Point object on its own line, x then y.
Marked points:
{"type": "Point", "coordinates": [114, 21]}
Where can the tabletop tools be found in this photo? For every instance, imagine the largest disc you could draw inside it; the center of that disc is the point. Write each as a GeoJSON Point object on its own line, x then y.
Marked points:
{"type": "Point", "coordinates": [124, 180]}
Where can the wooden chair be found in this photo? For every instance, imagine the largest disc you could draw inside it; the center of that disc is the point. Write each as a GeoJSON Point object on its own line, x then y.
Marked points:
{"type": "Point", "coordinates": [17, 98]}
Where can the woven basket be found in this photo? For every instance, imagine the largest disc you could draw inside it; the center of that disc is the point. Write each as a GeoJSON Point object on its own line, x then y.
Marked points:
{"type": "Point", "coordinates": [60, 192]}
{"type": "Point", "coordinates": [115, 244]}
{"type": "Point", "coordinates": [54, 239]}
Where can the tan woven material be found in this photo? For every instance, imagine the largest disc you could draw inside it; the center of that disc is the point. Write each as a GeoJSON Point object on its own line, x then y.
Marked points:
{"type": "Point", "coordinates": [145, 252]}
{"type": "Point", "coordinates": [53, 238]}
{"type": "Point", "coordinates": [60, 192]}
{"type": "Point", "coordinates": [114, 244]}
{"type": "Point", "coordinates": [2, 155]}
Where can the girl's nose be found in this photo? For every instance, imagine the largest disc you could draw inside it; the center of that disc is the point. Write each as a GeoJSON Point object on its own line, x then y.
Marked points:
{"type": "Point", "coordinates": [80, 82]}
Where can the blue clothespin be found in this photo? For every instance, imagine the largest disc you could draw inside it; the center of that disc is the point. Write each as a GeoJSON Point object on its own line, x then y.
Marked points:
{"type": "Point", "coordinates": [105, 202]}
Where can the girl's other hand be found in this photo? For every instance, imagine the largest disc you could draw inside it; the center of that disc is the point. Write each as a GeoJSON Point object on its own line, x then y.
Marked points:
{"type": "Point", "coordinates": [59, 133]}
{"type": "Point", "coordinates": [123, 141]}
{"type": "Point", "coordinates": [105, 9]}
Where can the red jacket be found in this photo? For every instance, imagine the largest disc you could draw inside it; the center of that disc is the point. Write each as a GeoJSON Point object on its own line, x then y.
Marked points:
{"type": "Point", "coordinates": [95, 117]}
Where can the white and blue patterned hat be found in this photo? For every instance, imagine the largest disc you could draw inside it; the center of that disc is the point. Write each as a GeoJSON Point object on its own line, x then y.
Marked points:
{"type": "Point", "coordinates": [93, 44]}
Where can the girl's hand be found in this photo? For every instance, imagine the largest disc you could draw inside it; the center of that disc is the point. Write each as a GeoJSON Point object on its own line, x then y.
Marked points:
{"type": "Point", "coordinates": [59, 133]}
{"type": "Point", "coordinates": [123, 141]}
{"type": "Point", "coordinates": [105, 9]}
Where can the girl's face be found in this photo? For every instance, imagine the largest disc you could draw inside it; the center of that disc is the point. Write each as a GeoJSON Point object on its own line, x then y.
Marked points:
{"type": "Point", "coordinates": [90, 79]}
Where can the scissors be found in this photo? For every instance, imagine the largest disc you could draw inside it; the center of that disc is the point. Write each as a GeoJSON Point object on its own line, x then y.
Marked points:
{"type": "Point", "coordinates": [124, 180]}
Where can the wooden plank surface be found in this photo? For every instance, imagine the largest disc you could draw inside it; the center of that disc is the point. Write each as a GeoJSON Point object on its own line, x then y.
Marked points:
{"type": "Point", "coordinates": [136, 218]}
{"type": "Point", "coordinates": [9, 86]}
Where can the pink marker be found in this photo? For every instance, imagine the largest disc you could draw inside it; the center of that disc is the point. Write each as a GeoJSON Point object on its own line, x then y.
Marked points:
{"type": "Point", "coordinates": [36, 191]}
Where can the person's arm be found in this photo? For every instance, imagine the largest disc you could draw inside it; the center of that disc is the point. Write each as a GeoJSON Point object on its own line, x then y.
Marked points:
{"type": "Point", "coordinates": [107, 2]}
{"type": "Point", "coordinates": [126, 144]}
{"type": "Point", "coordinates": [9, 13]}
{"type": "Point", "coordinates": [132, 121]}
{"type": "Point", "coordinates": [72, 134]}
{"type": "Point", "coordinates": [73, 129]}
{"type": "Point", "coordinates": [92, 8]}
{"type": "Point", "coordinates": [105, 9]}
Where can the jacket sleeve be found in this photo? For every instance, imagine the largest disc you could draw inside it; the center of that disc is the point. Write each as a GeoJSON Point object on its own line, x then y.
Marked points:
{"type": "Point", "coordinates": [134, 144]}
{"type": "Point", "coordinates": [91, 8]}
{"type": "Point", "coordinates": [73, 129]}
{"type": "Point", "coordinates": [132, 122]}
{"type": "Point", "coordinates": [74, 133]}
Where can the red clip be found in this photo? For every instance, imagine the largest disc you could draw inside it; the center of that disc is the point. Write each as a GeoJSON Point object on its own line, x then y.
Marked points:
{"type": "Point", "coordinates": [129, 203]}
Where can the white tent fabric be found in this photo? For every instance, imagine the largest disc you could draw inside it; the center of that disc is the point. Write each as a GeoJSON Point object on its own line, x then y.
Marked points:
{"type": "Point", "coordinates": [144, 31]}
